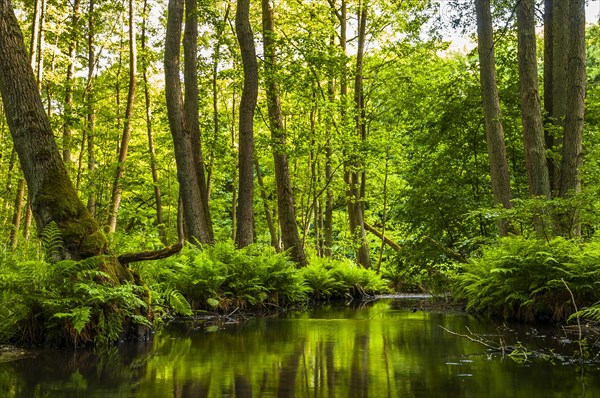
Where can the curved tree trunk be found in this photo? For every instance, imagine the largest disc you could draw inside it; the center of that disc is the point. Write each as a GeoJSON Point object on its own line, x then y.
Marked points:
{"type": "Point", "coordinates": [285, 195]}
{"type": "Point", "coordinates": [52, 195]}
{"type": "Point", "coordinates": [245, 213]}
{"type": "Point", "coordinates": [491, 110]}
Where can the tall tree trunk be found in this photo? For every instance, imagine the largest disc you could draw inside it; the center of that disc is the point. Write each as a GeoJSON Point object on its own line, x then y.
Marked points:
{"type": "Point", "coordinates": [91, 113]}
{"type": "Point", "coordinates": [491, 110]}
{"type": "Point", "coordinates": [191, 106]}
{"type": "Point", "coordinates": [570, 182]}
{"type": "Point", "coordinates": [328, 220]}
{"type": "Point", "coordinates": [117, 191]}
{"type": "Point", "coordinates": [17, 214]}
{"type": "Point", "coordinates": [265, 199]}
{"type": "Point", "coordinates": [51, 192]}
{"type": "Point", "coordinates": [245, 213]}
{"type": "Point", "coordinates": [357, 176]}
{"type": "Point", "coordinates": [285, 194]}
{"type": "Point", "coordinates": [157, 195]}
{"type": "Point", "coordinates": [533, 130]}
{"type": "Point", "coordinates": [191, 198]}
{"type": "Point", "coordinates": [548, 90]}
{"type": "Point", "coordinates": [68, 112]}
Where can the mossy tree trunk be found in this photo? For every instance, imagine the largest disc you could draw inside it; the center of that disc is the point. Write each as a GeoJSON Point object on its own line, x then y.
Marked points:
{"type": "Point", "coordinates": [52, 195]}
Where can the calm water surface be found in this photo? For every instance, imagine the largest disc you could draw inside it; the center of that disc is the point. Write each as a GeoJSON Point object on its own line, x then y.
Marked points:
{"type": "Point", "coordinates": [382, 349]}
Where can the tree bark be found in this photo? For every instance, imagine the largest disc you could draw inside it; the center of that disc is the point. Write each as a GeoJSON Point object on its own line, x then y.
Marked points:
{"type": "Point", "coordinates": [358, 176]}
{"type": "Point", "coordinates": [572, 155]}
{"type": "Point", "coordinates": [533, 130]}
{"type": "Point", "coordinates": [68, 112]}
{"type": "Point", "coordinates": [91, 112]}
{"type": "Point", "coordinates": [491, 110]}
{"type": "Point", "coordinates": [51, 192]}
{"type": "Point", "coordinates": [191, 106]}
{"type": "Point", "coordinates": [193, 211]}
{"type": "Point", "coordinates": [155, 181]}
{"type": "Point", "coordinates": [245, 213]}
{"type": "Point", "coordinates": [286, 210]}
{"type": "Point", "coordinates": [268, 216]}
{"type": "Point", "coordinates": [548, 90]}
{"type": "Point", "coordinates": [117, 191]}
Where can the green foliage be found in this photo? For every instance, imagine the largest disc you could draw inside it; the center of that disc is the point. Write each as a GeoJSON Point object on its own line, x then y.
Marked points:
{"type": "Point", "coordinates": [67, 302]}
{"type": "Point", "coordinates": [222, 277]}
{"type": "Point", "coordinates": [525, 278]}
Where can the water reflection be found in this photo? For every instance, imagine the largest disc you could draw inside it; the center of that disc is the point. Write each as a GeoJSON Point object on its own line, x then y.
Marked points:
{"type": "Point", "coordinates": [385, 349]}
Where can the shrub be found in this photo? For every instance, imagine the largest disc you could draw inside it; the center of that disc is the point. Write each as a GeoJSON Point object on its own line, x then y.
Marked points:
{"type": "Point", "coordinates": [525, 278]}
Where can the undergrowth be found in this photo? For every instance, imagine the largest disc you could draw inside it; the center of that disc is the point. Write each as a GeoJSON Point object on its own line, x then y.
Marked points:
{"type": "Point", "coordinates": [67, 302]}
{"type": "Point", "coordinates": [223, 278]}
{"type": "Point", "coordinates": [525, 279]}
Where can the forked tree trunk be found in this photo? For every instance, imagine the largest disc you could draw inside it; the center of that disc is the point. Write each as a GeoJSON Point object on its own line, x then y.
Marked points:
{"type": "Point", "coordinates": [491, 111]}
{"type": "Point", "coordinates": [191, 107]}
{"type": "Point", "coordinates": [245, 213]}
{"type": "Point", "coordinates": [286, 210]}
{"type": "Point", "coordinates": [193, 217]}
{"type": "Point", "coordinates": [51, 192]}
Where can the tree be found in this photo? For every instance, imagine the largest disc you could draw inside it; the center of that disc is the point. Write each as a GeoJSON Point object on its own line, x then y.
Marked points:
{"type": "Point", "coordinates": [194, 217]}
{"type": "Point", "coordinates": [191, 106]}
{"type": "Point", "coordinates": [52, 195]}
{"type": "Point", "coordinates": [125, 138]}
{"type": "Point", "coordinates": [245, 213]}
{"type": "Point", "coordinates": [575, 81]}
{"type": "Point", "coordinates": [491, 111]}
{"type": "Point", "coordinates": [533, 131]}
{"type": "Point", "coordinates": [285, 195]}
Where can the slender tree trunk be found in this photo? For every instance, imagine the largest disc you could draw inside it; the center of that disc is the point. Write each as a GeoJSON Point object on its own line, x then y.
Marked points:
{"type": "Point", "coordinates": [157, 195]}
{"type": "Point", "coordinates": [570, 182]}
{"type": "Point", "coordinates": [117, 191]}
{"type": "Point", "coordinates": [191, 106]}
{"type": "Point", "coordinates": [491, 110]}
{"type": "Point", "coordinates": [285, 195]}
{"type": "Point", "coordinates": [245, 213]}
{"type": "Point", "coordinates": [17, 214]}
{"type": "Point", "coordinates": [548, 90]}
{"type": "Point", "coordinates": [68, 112]}
{"type": "Point", "coordinates": [191, 199]}
{"type": "Point", "coordinates": [265, 199]}
{"type": "Point", "coordinates": [91, 113]}
{"type": "Point", "coordinates": [358, 176]}
{"type": "Point", "coordinates": [328, 221]}
{"type": "Point", "coordinates": [234, 170]}
{"type": "Point", "coordinates": [533, 130]}
{"type": "Point", "coordinates": [52, 195]}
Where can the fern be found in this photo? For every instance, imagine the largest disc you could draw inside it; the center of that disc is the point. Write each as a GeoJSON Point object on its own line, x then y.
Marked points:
{"type": "Point", "coordinates": [52, 242]}
{"type": "Point", "coordinates": [178, 302]}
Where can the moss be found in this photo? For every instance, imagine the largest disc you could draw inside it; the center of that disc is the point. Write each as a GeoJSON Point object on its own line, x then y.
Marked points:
{"type": "Point", "coordinates": [118, 274]}
{"type": "Point", "coordinates": [58, 201]}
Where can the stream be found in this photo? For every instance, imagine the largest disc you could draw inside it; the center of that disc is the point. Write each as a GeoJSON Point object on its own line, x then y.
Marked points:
{"type": "Point", "coordinates": [386, 348]}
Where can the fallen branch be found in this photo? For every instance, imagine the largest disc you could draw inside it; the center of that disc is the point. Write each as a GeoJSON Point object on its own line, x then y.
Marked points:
{"type": "Point", "coordinates": [127, 258]}
{"type": "Point", "coordinates": [384, 238]}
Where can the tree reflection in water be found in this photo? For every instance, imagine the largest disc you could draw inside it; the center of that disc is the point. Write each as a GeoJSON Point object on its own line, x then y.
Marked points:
{"type": "Point", "coordinates": [384, 349]}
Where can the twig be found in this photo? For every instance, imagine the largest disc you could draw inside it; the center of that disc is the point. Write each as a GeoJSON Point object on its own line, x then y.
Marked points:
{"type": "Point", "coordinates": [478, 340]}
{"type": "Point", "coordinates": [577, 317]}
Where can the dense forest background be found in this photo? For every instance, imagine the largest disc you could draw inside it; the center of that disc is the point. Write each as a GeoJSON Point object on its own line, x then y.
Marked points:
{"type": "Point", "coordinates": [368, 140]}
